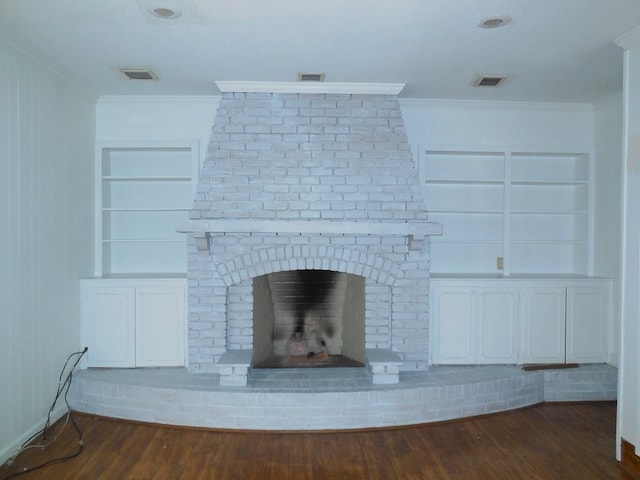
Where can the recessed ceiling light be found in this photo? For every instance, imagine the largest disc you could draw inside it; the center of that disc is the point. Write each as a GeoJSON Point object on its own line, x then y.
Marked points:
{"type": "Point", "coordinates": [495, 22]}
{"type": "Point", "coordinates": [166, 12]}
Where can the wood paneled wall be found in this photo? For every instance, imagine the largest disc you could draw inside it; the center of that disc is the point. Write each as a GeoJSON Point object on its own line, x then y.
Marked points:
{"type": "Point", "coordinates": [47, 134]}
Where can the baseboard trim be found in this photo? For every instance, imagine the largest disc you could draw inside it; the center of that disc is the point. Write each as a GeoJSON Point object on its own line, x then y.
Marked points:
{"type": "Point", "coordinates": [9, 450]}
{"type": "Point", "coordinates": [629, 459]}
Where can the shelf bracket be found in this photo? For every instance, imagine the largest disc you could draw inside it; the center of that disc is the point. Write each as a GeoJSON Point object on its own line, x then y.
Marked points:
{"type": "Point", "coordinates": [203, 242]}
{"type": "Point", "coordinates": [416, 242]}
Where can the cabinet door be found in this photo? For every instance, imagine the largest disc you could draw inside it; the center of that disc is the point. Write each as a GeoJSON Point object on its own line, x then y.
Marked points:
{"type": "Point", "coordinates": [160, 325]}
{"type": "Point", "coordinates": [453, 325]}
{"type": "Point", "coordinates": [543, 325]}
{"type": "Point", "coordinates": [497, 328]}
{"type": "Point", "coordinates": [587, 317]}
{"type": "Point", "coordinates": [108, 322]}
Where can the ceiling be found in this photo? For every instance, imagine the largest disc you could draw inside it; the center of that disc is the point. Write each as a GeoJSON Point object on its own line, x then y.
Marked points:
{"type": "Point", "coordinates": [551, 51]}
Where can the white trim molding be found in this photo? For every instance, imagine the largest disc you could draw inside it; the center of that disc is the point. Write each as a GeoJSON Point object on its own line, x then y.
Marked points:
{"type": "Point", "coordinates": [310, 87]}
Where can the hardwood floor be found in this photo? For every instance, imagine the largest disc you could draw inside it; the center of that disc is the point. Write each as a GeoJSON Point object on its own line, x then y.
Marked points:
{"type": "Point", "coordinates": [552, 441]}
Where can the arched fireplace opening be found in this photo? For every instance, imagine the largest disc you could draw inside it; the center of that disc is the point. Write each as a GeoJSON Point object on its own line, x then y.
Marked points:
{"type": "Point", "coordinates": [309, 319]}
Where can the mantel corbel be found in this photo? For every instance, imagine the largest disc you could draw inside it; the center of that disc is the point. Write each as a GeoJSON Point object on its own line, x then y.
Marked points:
{"type": "Point", "coordinates": [203, 241]}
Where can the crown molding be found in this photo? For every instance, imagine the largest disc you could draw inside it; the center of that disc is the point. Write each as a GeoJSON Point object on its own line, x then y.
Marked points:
{"type": "Point", "coordinates": [501, 104]}
{"type": "Point", "coordinates": [630, 39]}
{"type": "Point", "coordinates": [156, 99]}
{"type": "Point", "coordinates": [310, 87]}
{"type": "Point", "coordinates": [80, 88]}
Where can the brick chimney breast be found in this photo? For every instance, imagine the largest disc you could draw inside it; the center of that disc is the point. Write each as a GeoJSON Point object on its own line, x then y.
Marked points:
{"type": "Point", "coordinates": [309, 156]}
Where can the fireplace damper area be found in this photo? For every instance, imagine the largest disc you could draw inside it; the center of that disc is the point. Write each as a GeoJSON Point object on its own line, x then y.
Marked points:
{"type": "Point", "coordinates": [308, 318]}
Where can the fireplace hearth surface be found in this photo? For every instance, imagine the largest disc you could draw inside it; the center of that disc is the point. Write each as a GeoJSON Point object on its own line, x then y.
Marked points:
{"type": "Point", "coordinates": [305, 361]}
{"type": "Point", "coordinates": [334, 399]}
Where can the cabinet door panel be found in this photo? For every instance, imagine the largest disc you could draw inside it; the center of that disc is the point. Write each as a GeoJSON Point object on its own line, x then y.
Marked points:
{"type": "Point", "coordinates": [543, 325]}
{"type": "Point", "coordinates": [497, 326]}
{"type": "Point", "coordinates": [587, 314]}
{"type": "Point", "coordinates": [454, 326]}
{"type": "Point", "coordinates": [108, 326]}
{"type": "Point", "coordinates": [160, 326]}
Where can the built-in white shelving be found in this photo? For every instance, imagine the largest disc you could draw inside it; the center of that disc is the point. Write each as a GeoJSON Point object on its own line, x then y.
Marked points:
{"type": "Point", "coordinates": [529, 209]}
{"type": "Point", "coordinates": [143, 192]}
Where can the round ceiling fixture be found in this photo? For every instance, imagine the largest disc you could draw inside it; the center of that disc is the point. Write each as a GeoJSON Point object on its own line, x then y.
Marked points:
{"type": "Point", "coordinates": [495, 22]}
{"type": "Point", "coordinates": [166, 13]}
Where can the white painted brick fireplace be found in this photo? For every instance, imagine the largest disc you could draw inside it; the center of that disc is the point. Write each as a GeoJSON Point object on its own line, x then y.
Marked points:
{"type": "Point", "coordinates": [322, 179]}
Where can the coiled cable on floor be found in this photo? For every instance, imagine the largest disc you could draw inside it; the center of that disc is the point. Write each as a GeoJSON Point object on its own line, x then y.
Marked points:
{"type": "Point", "coordinates": [64, 383]}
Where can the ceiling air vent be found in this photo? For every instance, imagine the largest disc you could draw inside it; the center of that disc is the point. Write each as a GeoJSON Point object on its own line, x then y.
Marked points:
{"type": "Point", "coordinates": [310, 77]}
{"type": "Point", "coordinates": [489, 81]}
{"type": "Point", "coordinates": [139, 74]}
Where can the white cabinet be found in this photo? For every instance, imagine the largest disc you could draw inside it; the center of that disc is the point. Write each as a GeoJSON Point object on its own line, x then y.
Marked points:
{"type": "Point", "coordinates": [567, 322]}
{"type": "Point", "coordinates": [587, 313]}
{"type": "Point", "coordinates": [454, 317]}
{"type": "Point", "coordinates": [510, 211]}
{"type": "Point", "coordinates": [499, 320]}
{"type": "Point", "coordinates": [543, 325]}
{"type": "Point", "coordinates": [497, 332]}
{"type": "Point", "coordinates": [143, 191]}
{"type": "Point", "coordinates": [160, 326]}
{"type": "Point", "coordinates": [108, 325]}
{"type": "Point", "coordinates": [134, 323]}
{"type": "Point", "coordinates": [473, 325]}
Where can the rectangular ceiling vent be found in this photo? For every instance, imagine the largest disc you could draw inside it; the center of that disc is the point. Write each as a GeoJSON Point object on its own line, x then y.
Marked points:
{"type": "Point", "coordinates": [139, 74]}
{"type": "Point", "coordinates": [490, 80]}
{"type": "Point", "coordinates": [310, 77]}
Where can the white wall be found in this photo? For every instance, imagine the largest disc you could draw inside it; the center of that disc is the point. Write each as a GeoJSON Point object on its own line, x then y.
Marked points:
{"type": "Point", "coordinates": [427, 121]}
{"type": "Point", "coordinates": [46, 219]}
{"type": "Point", "coordinates": [463, 123]}
{"type": "Point", "coordinates": [156, 118]}
{"type": "Point", "coordinates": [608, 205]}
{"type": "Point", "coordinates": [629, 390]}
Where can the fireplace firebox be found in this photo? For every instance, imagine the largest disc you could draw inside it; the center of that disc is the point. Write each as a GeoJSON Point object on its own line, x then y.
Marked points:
{"type": "Point", "coordinates": [308, 318]}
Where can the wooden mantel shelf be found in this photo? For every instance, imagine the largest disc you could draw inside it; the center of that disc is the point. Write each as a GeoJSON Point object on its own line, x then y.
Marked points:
{"type": "Point", "coordinates": [201, 229]}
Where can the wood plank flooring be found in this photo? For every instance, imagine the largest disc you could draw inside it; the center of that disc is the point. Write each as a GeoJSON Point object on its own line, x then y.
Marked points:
{"type": "Point", "coordinates": [552, 441]}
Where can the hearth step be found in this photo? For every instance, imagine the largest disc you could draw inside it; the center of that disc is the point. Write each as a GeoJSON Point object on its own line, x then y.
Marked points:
{"type": "Point", "coordinates": [234, 367]}
{"type": "Point", "coordinates": [384, 365]}
{"type": "Point", "coordinates": [304, 361]}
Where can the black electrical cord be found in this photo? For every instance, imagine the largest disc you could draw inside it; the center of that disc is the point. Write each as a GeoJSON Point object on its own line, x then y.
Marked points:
{"type": "Point", "coordinates": [63, 388]}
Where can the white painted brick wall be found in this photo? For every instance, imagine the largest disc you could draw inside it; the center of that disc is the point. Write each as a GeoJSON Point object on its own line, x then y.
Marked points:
{"type": "Point", "coordinates": [316, 157]}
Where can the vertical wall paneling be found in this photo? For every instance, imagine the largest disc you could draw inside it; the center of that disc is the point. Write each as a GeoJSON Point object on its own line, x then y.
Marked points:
{"type": "Point", "coordinates": [608, 214]}
{"type": "Point", "coordinates": [6, 351]}
{"type": "Point", "coordinates": [47, 132]}
{"type": "Point", "coordinates": [629, 361]}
